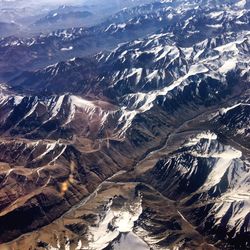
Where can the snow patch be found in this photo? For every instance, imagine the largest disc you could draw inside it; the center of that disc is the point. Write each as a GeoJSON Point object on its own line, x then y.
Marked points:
{"type": "Point", "coordinates": [122, 221]}
{"type": "Point", "coordinates": [215, 26]}
{"type": "Point", "coordinates": [57, 107]}
{"type": "Point", "coordinates": [205, 135]}
{"type": "Point", "coordinates": [215, 14]}
{"type": "Point", "coordinates": [17, 100]}
{"type": "Point", "coordinates": [67, 49]}
{"type": "Point", "coordinates": [228, 65]}
{"type": "Point", "coordinates": [130, 241]}
{"type": "Point", "coordinates": [241, 4]}
{"type": "Point", "coordinates": [225, 110]}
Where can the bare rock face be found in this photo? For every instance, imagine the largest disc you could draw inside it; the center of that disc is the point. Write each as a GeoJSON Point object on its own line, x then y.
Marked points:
{"type": "Point", "coordinates": [144, 145]}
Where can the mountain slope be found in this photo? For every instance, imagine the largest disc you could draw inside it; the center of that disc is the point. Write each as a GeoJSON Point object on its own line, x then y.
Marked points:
{"type": "Point", "coordinates": [147, 142]}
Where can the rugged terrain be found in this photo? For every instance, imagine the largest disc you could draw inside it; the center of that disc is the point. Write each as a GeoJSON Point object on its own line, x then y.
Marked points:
{"type": "Point", "coordinates": [133, 133]}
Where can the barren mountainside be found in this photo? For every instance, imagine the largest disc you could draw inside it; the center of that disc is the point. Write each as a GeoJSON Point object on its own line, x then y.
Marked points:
{"type": "Point", "coordinates": [131, 133]}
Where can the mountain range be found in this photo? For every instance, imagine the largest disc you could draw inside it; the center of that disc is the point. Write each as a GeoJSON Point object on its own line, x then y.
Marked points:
{"type": "Point", "coordinates": [130, 133]}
